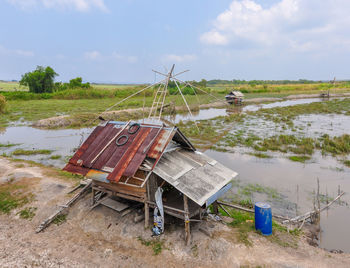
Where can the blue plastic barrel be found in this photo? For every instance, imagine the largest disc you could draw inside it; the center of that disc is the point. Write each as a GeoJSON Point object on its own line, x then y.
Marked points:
{"type": "Point", "coordinates": [263, 218]}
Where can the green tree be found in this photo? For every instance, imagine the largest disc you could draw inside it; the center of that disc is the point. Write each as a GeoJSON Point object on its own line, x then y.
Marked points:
{"type": "Point", "coordinates": [40, 80]}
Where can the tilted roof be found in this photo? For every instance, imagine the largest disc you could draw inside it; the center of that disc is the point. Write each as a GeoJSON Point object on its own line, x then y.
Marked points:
{"type": "Point", "coordinates": [119, 148]}
{"type": "Point", "coordinates": [194, 174]}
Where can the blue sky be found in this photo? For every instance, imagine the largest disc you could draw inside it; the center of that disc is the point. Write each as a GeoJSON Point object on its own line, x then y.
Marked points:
{"type": "Point", "coordinates": [122, 40]}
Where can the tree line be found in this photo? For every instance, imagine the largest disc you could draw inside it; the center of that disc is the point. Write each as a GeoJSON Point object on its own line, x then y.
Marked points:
{"type": "Point", "coordinates": [42, 80]}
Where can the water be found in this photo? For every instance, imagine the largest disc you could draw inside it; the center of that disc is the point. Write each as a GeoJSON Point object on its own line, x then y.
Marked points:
{"type": "Point", "coordinates": [210, 113]}
{"type": "Point", "coordinates": [277, 172]}
{"type": "Point", "coordinates": [62, 142]}
{"type": "Point", "coordinates": [285, 176]}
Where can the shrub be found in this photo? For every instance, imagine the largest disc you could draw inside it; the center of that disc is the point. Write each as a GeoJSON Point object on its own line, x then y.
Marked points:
{"type": "Point", "coordinates": [2, 104]}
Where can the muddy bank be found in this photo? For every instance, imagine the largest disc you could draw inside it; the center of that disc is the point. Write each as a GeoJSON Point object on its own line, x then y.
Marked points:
{"type": "Point", "coordinates": [103, 238]}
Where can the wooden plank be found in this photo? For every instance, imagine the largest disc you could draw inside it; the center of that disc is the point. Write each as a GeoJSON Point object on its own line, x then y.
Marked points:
{"type": "Point", "coordinates": [115, 205]}
{"type": "Point", "coordinates": [128, 155]}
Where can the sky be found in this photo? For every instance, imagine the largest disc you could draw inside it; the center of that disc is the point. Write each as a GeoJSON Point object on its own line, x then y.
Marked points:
{"type": "Point", "coordinates": [121, 41]}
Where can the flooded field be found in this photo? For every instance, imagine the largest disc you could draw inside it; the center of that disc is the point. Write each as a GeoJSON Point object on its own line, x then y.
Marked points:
{"type": "Point", "coordinates": [266, 175]}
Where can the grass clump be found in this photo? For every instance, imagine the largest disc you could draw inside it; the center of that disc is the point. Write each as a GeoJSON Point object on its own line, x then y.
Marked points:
{"type": "Point", "coordinates": [55, 157]}
{"type": "Point", "coordinates": [30, 152]}
{"type": "Point", "coordinates": [261, 155]}
{"type": "Point", "coordinates": [7, 145]}
{"type": "Point", "coordinates": [346, 163]}
{"type": "Point", "coordinates": [3, 104]}
{"type": "Point", "coordinates": [61, 218]}
{"type": "Point", "coordinates": [27, 213]}
{"type": "Point", "coordinates": [13, 195]}
{"type": "Point", "coordinates": [157, 246]}
{"type": "Point", "coordinates": [299, 158]}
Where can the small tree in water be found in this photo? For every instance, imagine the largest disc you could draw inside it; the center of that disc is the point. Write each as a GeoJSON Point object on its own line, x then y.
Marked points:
{"type": "Point", "coordinates": [41, 80]}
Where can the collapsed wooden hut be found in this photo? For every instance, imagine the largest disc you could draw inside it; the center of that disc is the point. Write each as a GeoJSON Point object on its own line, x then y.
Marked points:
{"type": "Point", "coordinates": [235, 97]}
{"type": "Point", "coordinates": [131, 160]}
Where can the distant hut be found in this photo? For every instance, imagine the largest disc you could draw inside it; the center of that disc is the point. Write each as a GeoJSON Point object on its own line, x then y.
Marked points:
{"type": "Point", "coordinates": [134, 161]}
{"type": "Point", "coordinates": [235, 97]}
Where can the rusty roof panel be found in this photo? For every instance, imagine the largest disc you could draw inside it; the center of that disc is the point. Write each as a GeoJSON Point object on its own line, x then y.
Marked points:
{"type": "Point", "coordinates": [85, 145]}
{"type": "Point", "coordinates": [141, 153]}
{"type": "Point", "coordinates": [99, 145]}
{"type": "Point", "coordinates": [128, 155]}
{"type": "Point", "coordinates": [160, 143]}
{"type": "Point", "coordinates": [76, 169]}
{"type": "Point", "coordinates": [116, 156]}
{"type": "Point", "coordinates": [101, 153]}
{"type": "Point", "coordinates": [96, 142]}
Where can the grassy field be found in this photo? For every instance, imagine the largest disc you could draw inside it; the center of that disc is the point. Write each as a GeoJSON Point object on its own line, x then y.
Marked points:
{"type": "Point", "coordinates": [24, 106]}
{"type": "Point", "coordinates": [12, 86]}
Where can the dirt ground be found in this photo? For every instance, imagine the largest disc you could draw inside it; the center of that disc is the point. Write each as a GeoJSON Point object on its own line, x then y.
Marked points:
{"type": "Point", "coordinates": [102, 238]}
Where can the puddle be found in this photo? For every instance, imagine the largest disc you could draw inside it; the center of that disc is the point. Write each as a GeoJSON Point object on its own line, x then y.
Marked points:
{"type": "Point", "coordinates": [316, 124]}
{"type": "Point", "coordinates": [253, 108]}
{"type": "Point", "coordinates": [61, 142]}
{"type": "Point", "coordinates": [286, 177]}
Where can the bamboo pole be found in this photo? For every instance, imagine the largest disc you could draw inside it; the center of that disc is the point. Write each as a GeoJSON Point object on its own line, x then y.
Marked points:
{"type": "Point", "coordinates": [187, 221]}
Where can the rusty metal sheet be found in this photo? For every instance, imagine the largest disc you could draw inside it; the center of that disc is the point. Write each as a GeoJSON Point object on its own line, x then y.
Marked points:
{"type": "Point", "coordinates": [100, 146]}
{"type": "Point", "coordinates": [129, 154]}
{"type": "Point", "coordinates": [96, 143]}
{"type": "Point", "coordinates": [161, 142]}
{"type": "Point", "coordinates": [115, 157]}
{"type": "Point", "coordinates": [85, 145]}
{"type": "Point", "coordinates": [76, 169]}
{"type": "Point", "coordinates": [141, 153]}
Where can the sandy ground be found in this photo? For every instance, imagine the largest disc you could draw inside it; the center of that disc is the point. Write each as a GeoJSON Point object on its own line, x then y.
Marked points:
{"type": "Point", "coordinates": [102, 238]}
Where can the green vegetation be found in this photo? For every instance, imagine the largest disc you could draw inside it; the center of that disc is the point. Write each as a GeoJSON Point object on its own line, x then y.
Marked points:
{"type": "Point", "coordinates": [30, 152]}
{"type": "Point", "coordinates": [55, 157]}
{"type": "Point", "coordinates": [299, 158]}
{"type": "Point", "coordinates": [157, 245]}
{"type": "Point", "coordinates": [13, 195]}
{"type": "Point", "coordinates": [261, 155]}
{"type": "Point", "coordinates": [27, 213]}
{"type": "Point", "coordinates": [40, 80]}
{"type": "Point", "coordinates": [346, 163]}
{"type": "Point", "coordinates": [244, 222]}
{"type": "Point", "coordinates": [2, 104]}
{"type": "Point", "coordinates": [7, 145]}
{"type": "Point", "coordinates": [61, 218]}
{"type": "Point", "coordinates": [251, 188]}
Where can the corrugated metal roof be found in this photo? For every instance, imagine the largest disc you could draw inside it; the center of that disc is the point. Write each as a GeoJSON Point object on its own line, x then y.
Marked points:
{"type": "Point", "coordinates": [235, 93]}
{"type": "Point", "coordinates": [194, 174]}
{"type": "Point", "coordinates": [101, 152]}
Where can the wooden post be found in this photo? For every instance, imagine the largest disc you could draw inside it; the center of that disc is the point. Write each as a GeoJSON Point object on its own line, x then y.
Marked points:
{"type": "Point", "coordinates": [93, 196]}
{"type": "Point", "coordinates": [147, 198]}
{"type": "Point", "coordinates": [215, 208]}
{"type": "Point", "coordinates": [146, 214]}
{"type": "Point", "coordinates": [187, 222]}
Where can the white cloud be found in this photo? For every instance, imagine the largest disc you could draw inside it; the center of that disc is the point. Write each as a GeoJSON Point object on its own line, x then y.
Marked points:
{"type": "Point", "coordinates": [299, 25]}
{"type": "Point", "coordinates": [130, 59]}
{"type": "Point", "coordinates": [92, 55]}
{"type": "Point", "coordinates": [16, 52]}
{"type": "Point", "coordinates": [24, 53]}
{"type": "Point", "coordinates": [79, 5]}
{"type": "Point", "coordinates": [179, 58]}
